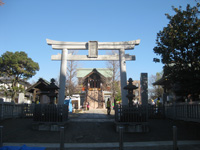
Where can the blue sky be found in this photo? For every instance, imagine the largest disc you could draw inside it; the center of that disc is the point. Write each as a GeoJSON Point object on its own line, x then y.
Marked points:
{"type": "Point", "coordinates": [26, 24]}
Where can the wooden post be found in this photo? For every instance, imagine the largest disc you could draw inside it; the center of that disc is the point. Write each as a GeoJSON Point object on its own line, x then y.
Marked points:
{"type": "Point", "coordinates": [198, 111]}
{"type": "Point", "coordinates": [164, 103]}
{"type": "Point", "coordinates": [174, 138]}
{"type": "Point", "coordinates": [174, 110]}
{"type": "Point", "coordinates": [62, 136]}
{"type": "Point", "coordinates": [1, 136]}
{"type": "Point", "coordinates": [1, 109]}
{"type": "Point", "coordinates": [34, 94]}
{"type": "Point", "coordinates": [121, 138]}
{"type": "Point", "coordinates": [22, 110]}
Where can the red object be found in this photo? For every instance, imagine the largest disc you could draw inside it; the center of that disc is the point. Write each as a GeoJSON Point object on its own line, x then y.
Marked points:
{"type": "Point", "coordinates": [83, 89]}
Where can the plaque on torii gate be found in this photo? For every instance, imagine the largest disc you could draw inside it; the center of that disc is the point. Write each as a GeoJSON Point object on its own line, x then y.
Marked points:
{"type": "Point", "coordinates": [93, 47]}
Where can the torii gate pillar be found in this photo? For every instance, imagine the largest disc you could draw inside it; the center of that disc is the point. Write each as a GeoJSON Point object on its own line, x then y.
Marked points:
{"type": "Point", "coordinates": [123, 76]}
{"type": "Point", "coordinates": [62, 81]}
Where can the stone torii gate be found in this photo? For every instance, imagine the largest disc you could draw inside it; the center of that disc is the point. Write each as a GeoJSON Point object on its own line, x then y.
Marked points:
{"type": "Point", "coordinates": [93, 47]}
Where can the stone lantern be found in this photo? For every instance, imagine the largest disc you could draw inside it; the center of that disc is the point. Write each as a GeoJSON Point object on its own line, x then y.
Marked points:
{"type": "Point", "coordinates": [52, 91]}
{"type": "Point", "coordinates": [130, 87]}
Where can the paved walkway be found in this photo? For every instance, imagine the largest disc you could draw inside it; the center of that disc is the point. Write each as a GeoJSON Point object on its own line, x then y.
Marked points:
{"type": "Point", "coordinates": [96, 115]}
{"type": "Point", "coordinates": [97, 127]}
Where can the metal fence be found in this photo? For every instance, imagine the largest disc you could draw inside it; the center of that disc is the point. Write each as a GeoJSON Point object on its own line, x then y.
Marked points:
{"type": "Point", "coordinates": [59, 113]}
{"type": "Point", "coordinates": [39, 112]}
{"type": "Point", "coordinates": [11, 110]}
{"type": "Point", "coordinates": [50, 113]}
{"type": "Point", "coordinates": [124, 113]}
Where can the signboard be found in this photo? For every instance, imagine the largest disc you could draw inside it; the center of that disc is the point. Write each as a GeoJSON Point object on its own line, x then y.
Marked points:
{"type": "Point", "coordinates": [93, 49]}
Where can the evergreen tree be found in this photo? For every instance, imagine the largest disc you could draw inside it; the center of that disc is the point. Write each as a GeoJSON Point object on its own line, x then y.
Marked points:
{"type": "Point", "coordinates": [16, 66]}
{"type": "Point", "coordinates": [178, 44]}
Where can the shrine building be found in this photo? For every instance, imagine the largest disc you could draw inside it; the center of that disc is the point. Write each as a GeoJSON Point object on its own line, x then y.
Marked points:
{"type": "Point", "coordinates": [95, 85]}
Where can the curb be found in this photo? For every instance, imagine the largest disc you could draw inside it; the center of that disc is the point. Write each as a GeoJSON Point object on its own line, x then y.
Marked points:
{"type": "Point", "coordinates": [104, 145]}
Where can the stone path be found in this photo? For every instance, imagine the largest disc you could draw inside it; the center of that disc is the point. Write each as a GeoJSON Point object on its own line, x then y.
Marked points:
{"type": "Point", "coordinates": [98, 115]}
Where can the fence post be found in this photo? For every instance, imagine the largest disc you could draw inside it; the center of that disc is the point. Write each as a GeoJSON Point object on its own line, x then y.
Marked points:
{"type": "Point", "coordinates": [174, 138]}
{"type": "Point", "coordinates": [22, 110]}
{"type": "Point", "coordinates": [174, 110]}
{"type": "Point", "coordinates": [12, 107]}
{"type": "Point", "coordinates": [186, 110]}
{"type": "Point", "coordinates": [1, 109]}
{"type": "Point", "coordinates": [62, 135]}
{"type": "Point", "coordinates": [166, 110]}
{"type": "Point", "coordinates": [121, 138]}
{"type": "Point", "coordinates": [198, 111]}
{"type": "Point", "coordinates": [1, 136]}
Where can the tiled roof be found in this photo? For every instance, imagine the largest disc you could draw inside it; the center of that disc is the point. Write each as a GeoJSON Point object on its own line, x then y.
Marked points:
{"type": "Point", "coordinates": [82, 72]}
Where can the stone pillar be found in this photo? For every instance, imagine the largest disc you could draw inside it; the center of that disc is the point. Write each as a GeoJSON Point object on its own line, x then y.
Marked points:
{"type": "Point", "coordinates": [63, 71]}
{"type": "Point", "coordinates": [144, 88]}
{"type": "Point", "coordinates": [122, 61]}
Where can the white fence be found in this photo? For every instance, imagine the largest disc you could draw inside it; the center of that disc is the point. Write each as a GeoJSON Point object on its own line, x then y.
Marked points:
{"type": "Point", "coordinates": [183, 111]}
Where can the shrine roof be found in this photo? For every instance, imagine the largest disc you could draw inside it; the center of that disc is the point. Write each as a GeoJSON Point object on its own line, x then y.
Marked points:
{"type": "Point", "coordinates": [82, 72]}
{"type": "Point", "coordinates": [40, 84]}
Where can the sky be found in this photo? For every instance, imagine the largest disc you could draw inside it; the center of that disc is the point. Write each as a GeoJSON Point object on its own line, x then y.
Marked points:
{"type": "Point", "coordinates": [26, 24]}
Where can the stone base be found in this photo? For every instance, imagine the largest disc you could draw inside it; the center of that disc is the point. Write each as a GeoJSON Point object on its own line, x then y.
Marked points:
{"type": "Point", "coordinates": [48, 126]}
{"type": "Point", "coordinates": [139, 127]}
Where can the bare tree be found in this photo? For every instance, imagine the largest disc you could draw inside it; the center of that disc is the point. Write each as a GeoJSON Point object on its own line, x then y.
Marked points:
{"type": "Point", "coordinates": [113, 67]}
{"type": "Point", "coordinates": [71, 81]}
{"type": "Point", "coordinates": [1, 3]}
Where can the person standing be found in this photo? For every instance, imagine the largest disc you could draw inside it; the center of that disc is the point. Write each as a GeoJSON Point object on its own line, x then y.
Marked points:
{"type": "Point", "coordinates": [108, 106]}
